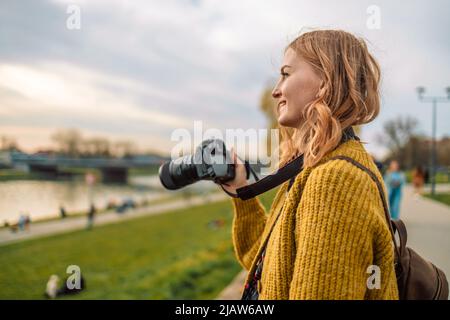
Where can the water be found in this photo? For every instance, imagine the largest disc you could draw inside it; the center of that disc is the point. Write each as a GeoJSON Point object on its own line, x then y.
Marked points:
{"type": "Point", "coordinates": [42, 199]}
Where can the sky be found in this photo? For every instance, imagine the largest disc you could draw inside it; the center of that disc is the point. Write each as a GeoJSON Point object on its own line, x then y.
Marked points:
{"type": "Point", "coordinates": [138, 70]}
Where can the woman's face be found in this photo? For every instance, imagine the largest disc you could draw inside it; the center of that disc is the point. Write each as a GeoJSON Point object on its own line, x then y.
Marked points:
{"type": "Point", "coordinates": [298, 86]}
{"type": "Point", "coordinates": [394, 165]}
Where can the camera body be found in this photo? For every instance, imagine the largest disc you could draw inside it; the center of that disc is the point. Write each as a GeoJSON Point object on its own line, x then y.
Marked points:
{"type": "Point", "coordinates": [210, 161]}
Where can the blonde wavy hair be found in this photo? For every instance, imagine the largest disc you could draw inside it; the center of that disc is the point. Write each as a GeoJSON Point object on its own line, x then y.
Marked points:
{"type": "Point", "coordinates": [348, 95]}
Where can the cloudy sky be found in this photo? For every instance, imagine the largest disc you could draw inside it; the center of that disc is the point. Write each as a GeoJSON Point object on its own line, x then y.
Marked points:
{"type": "Point", "coordinates": [137, 70]}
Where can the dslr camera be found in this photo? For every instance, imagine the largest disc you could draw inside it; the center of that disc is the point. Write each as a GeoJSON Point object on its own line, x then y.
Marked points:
{"type": "Point", "coordinates": [210, 161]}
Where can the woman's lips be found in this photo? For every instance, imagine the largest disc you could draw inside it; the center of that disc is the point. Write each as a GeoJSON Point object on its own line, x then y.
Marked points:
{"type": "Point", "coordinates": [281, 106]}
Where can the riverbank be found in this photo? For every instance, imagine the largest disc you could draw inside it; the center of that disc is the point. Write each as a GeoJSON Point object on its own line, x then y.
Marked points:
{"type": "Point", "coordinates": [42, 199]}
{"type": "Point", "coordinates": [111, 216]}
{"type": "Point", "coordinates": [100, 211]}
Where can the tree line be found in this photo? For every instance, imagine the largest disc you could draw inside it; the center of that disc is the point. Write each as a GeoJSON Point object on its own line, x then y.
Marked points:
{"type": "Point", "coordinates": [71, 142]}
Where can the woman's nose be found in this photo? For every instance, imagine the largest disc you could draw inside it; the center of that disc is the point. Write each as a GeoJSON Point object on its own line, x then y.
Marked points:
{"type": "Point", "coordinates": [276, 93]}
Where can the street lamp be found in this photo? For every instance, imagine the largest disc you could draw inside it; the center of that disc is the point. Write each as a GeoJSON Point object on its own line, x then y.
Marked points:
{"type": "Point", "coordinates": [434, 100]}
{"type": "Point", "coordinates": [420, 91]}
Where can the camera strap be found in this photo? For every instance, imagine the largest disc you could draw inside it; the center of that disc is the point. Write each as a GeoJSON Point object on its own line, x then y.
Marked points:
{"type": "Point", "coordinates": [291, 169]}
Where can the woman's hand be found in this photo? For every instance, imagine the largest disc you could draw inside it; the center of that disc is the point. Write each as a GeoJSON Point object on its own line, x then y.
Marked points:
{"type": "Point", "coordinates": [240, 178]}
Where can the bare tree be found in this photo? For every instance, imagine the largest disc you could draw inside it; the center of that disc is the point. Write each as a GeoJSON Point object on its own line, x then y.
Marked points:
{"type": "Point", "coordinates": [68, 141]}
{"type": "Point", "coordinates": [268, 107]}
{"type": "Point", "coordinates": [400, 138]}
{"type": "Point", "coordinates": [97, 146]}
{"type": "Point", "coordinates": [124, 148]}
{"type": "Point", "coordinates": [8, 143]}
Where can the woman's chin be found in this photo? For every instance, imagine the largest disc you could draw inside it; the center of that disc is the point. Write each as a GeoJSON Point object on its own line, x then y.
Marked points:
{"type": "Point", "coordinates": [285, 122]}
{"type": "Point", "coordinates": [282, 121]}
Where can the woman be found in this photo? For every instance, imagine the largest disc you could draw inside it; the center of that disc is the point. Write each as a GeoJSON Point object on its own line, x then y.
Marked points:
{"type": "Point", "coordinates": [394, 179]}
{"type": "Point", "coordinates": [331, 229]}
{"type": "Point", "coordinates": [418, 179]}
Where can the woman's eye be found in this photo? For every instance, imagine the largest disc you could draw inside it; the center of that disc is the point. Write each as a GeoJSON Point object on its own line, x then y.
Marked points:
{"type": "Point", "coordinates": [284, 74]}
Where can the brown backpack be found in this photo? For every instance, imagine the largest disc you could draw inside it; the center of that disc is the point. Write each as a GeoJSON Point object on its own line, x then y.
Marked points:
{"type": "Point", "coordinates": [417, 279]}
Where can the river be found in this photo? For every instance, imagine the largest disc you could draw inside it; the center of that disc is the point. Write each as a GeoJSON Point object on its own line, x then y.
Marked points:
{"type": "Point", "coordinates": [42, 199]}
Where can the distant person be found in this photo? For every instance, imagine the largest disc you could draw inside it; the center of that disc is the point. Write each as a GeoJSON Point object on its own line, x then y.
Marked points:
{"type": "Point", "coordinates": [111, 204]}
{"type": "Point", "coordinates": [27, 222]}
{"type": "Point", "coordinates": [394, 179]}
{"type": "Point", "coordinates": [21, 222]}
{"type": "Point", "coordinates": [54, 290]}
{"type": "Point", "coordinates": [418, 179]}
{"type": "Point", "coordinates": [91, 215]}
{"type": "Point", "coordinates": [13, 227]}
{"type": "Point", "coordinates": [62, 212]}
{"type": "Point", "coordinates": [51, 290]}
{"type": "Point", "coordinates": [24, 222]}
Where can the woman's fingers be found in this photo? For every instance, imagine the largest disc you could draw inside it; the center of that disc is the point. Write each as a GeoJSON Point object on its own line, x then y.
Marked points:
{"type": "Point", "coordinates": [240, 177]}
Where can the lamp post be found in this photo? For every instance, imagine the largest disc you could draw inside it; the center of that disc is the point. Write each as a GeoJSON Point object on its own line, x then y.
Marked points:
{"type": "Point", "coordinates": [434, 100]}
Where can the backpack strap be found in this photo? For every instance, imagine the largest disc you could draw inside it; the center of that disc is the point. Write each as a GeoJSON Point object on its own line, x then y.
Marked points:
{"type": "Point", "coordinates": [400, 227]}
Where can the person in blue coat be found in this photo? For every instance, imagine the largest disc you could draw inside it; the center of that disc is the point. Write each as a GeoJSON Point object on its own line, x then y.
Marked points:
{"type": "Point", "coordinates": [394, 180]}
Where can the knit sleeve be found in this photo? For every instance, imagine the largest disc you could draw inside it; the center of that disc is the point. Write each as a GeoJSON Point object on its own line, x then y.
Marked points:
{"type": "Point", "coordinates": [248, 225]}
{"type": "Point", "coordinates": [333, 235]}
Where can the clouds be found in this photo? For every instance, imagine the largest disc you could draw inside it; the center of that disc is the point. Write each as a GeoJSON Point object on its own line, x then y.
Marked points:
{"type": "Point", "coordinates": [140, 69]}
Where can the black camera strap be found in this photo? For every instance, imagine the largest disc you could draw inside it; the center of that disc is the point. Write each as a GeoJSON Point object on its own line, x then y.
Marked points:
{"type": "Point", "coordinates": [291, 169]}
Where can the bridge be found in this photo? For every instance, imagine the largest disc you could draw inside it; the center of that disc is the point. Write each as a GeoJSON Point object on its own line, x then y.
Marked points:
{"type": "Point", "coordinates": [112, 169]}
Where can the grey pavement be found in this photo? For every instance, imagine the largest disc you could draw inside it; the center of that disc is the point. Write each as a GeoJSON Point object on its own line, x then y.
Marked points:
{"type": "Point", "coordinates": [428, 225]}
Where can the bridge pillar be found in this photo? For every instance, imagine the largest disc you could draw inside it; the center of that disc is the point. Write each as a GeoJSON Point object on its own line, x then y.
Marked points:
{"type": "Point", "coordinates": [49, 171]}
{"type": "Point", "coordinates": [116, 175]}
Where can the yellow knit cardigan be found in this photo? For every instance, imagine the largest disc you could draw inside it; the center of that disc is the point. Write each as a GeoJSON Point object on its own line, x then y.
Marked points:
{"type": "Point", "coordinates": [330, 231]}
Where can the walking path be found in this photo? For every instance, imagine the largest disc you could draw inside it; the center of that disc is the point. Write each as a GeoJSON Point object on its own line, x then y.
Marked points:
{"type": "Point", "coordinates": [43, 229]}
{"type": "Point", "coordinates": [428, 225]}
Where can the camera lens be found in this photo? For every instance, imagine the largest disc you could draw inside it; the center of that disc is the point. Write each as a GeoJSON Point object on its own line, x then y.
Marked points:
{"type": "Point", "coordinates": [209, 162]}
{"type": "Point", "coordinates": [165, 178]}
{"type": "Point", "coordinates": [178, 173]}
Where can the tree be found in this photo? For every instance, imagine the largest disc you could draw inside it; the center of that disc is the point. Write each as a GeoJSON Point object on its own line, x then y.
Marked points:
{"type": "Point", "coordinates": [97, 146]}
{"type": "Point", "coordinates": [268, 106]}
{"type": "Point", "coordinates": [68, 141]}
{"type": "Point", "coordinates": [400, 138]}
{"type": "Point", "coordinates": [8, 143]}
{"type": "Point", "coordinates": [443, 151]}
{"type": "Point", "coordinates": [124, 148]}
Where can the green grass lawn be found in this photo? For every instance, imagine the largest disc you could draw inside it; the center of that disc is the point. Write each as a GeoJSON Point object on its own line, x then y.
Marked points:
{"type": "Point", "coordinates": [169, 256]}
{"type": "Point", "coordinates": [441, 197]}
{"type": "Point", "coordinates": [13, 174]}
{"type": "Point", "coordinates": [78, 214]}
{"type": "Point", "coordinates": [440, 177]}
{"type": "Point", "coordinates": [151, 170]}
